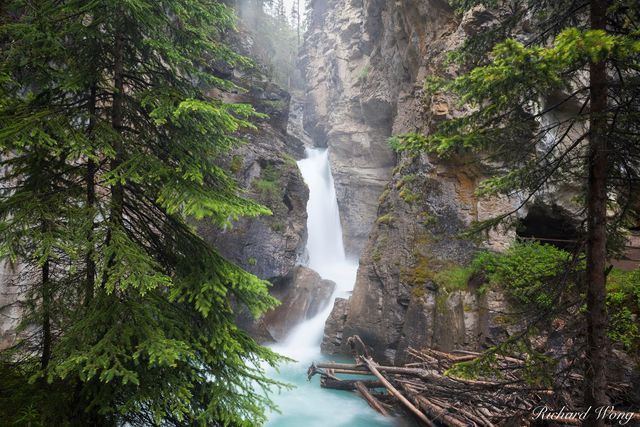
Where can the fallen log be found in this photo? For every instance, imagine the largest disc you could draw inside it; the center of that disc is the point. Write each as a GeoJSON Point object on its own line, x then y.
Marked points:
{"type": "Point", "coordinates": [348, 385]}
{"type": "Point", "coordinates": [438, 413]}
{"type": "Point", "coordinates": [373, 368]}
{"type": "Point", "coordinates": [371, 400]}
{"type": "Point", "coordinates": [360, 368]}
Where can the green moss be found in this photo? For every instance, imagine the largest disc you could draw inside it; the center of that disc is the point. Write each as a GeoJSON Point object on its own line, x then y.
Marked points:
{"type": "Point", "coordinates": [421, 241]}
{"type": "Point", "coordinates": [418, 292]}
{"type": "Point", "coordinates": [378, 249]}
{"type": "Point", "coordinates": [269, 184]}
{"type": "Point", "coordinates": [408, 196]}
{"type": "Point", "coordinates": [289, 160]}
{"type": "Point", "coordinates": [407, 179]}
{"type": "Point", "coordinates": [427, 219]}
{"type": "Point", "coordinates": [441, 301]}
{"type": "Point", "coordinates": [363, 76]}
{"type": "Point", "coordinates": [419, 273]}
{"type": "Point", "coordinates": [454, 278]}
{"type": "Point", "coordinates": [236, 164]}
{"type": "Point", "coordinates": [278, 227]}
{"type": "Point", "coordinates": [277, 104]}
{"type": "Point", "coordinates": [383, 196]}
{"type": "Point", "coordinates": [387, 219]}
{"type": "Point", "coordinates": [252, 261]}
{"type": "Point", "coordinates": [503, 319]}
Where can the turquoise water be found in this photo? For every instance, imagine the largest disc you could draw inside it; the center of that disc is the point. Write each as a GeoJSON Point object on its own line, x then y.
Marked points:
{"type": "Point", "coordinates": [309, 405]}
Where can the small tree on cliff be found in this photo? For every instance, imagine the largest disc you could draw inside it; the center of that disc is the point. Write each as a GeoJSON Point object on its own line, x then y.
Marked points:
{"type": "Point", "coordinates": [578, 97]}
{"type": "Point", "coordinates": [108, 142]}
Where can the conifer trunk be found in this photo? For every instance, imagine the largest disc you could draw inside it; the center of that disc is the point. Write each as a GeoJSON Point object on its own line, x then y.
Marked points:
{"type": "Point", "coordinates": [117, 190]}
{"type": "Point", "coordinates": [595, 375]}
{"type": "Point", "coordinates": [91, 201]}
{"type": "Point", "coordinates": [46, 315]}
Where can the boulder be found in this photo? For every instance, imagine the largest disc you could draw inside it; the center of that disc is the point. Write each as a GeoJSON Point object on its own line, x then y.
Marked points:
{"type": "Point", "coordinates": [303, 294]}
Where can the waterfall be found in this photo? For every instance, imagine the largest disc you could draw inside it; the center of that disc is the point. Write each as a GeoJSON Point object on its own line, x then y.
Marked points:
{"type": "Point", "coordinates": [325, 251]}
{"type": "Point", "coordinates": [308, 404]}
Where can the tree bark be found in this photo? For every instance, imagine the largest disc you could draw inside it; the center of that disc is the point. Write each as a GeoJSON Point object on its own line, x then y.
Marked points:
{"type": "Point", "coordinates": [117, 190]}
{"type": "Point", "coordinates": [370, 398]}
{"type": "Point", "coordinates": [90, 179]}
{"type": "Point", "coordinates": [597, 343]}
{"type": "Point", "coordinates": [373, 368]}
{"type": "Point", "coordinates": [46, 316]}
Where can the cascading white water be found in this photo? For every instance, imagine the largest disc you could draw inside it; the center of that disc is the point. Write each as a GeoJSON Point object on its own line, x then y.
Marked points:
{"type": "Point", "coordinates": [308, 405]}
{"type": "Point", "coordinates": [324, 242]}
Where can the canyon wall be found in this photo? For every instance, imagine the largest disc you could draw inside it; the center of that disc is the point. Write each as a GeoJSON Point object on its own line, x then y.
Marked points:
{"type": "Point", "coordinates": [365, 63]}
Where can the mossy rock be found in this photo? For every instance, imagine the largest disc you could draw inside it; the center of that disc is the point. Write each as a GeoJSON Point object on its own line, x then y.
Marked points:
{"type": "Point", "coordinates": [419, 274]}
{"type": "Point", "coordinates": [387, 219]}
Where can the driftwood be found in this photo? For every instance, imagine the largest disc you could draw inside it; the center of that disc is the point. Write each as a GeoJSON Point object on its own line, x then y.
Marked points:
{"type": "Point", "coordinates": [370, 398]}
{"type": "Point", "coordinates": [348, 385]}
{"type": "Point", "coordinates": [373, 368]}
{"type": "Point", "coordinates": [364, 370]}
{"type": "Point", "coordinates": [426, 389]}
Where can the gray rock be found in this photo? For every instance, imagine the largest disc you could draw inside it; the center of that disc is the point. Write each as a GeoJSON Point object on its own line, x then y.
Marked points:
{"type": "Point", "coordinates": [334, 329]}
{"type": "Point", "coordinates": [365, 63]}
{"type": "Point", "coordinates": [303, 294]}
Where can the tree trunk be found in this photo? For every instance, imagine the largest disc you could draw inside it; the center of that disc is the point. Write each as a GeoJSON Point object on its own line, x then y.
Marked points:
{"type": "Point", "coordinates": [117, 190]}
{"type": "Point", "coordinates": [46, 308]}
{"type": "Point", "coordinates": [91, 201]}
{"type": "Point", "coordinates": [46, 316]}
{"type": "Point", "coordinates": [597, 343]}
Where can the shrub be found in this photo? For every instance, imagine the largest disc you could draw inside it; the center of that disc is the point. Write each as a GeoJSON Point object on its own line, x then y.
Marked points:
{"type": "Point", "coordinates": [528, 271]}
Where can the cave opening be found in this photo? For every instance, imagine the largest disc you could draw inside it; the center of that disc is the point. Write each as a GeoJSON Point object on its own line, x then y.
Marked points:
{"type": "Point", "coordinates": [550, 224]}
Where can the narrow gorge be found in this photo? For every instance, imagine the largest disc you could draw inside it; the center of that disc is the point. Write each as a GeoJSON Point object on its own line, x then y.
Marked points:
{"type": "Point", "coordinates": [320, 213]}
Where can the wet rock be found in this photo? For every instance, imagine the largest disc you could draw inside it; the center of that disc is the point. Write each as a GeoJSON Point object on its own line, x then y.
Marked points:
{"type": "Point", "coordinates": [408, 226]}
{"type": "Point", "coordinates": [334, 329]}
{"type": "Point", "coordinates": [303, 294]}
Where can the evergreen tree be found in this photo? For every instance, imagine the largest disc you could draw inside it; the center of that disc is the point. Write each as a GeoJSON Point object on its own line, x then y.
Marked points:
{"type": "Point", "coordinates": [295, 18]}
{"type": "Point", "coordinates": [557, 111]}
{"type": "Point", "coordinates": [281, 13]}
{"type": "Point", "coordinates": [108, 145]}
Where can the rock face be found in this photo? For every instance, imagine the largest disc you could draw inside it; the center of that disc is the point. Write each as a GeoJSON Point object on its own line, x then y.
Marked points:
{"type": "Point", "coordinates": [303, 294]}
{"type": "Point", "coordinates": [10, 304]}
{"type": "Point", "coordinates": [360, 59]}
{"type": "Point", "coordinates": [268, 246]}
{"type": "Point", "coordinates": [265, 168]}
{"type": "Point", "coordinates": [334, 328]}
{"type": "Point", "coordinates": [365, 63]}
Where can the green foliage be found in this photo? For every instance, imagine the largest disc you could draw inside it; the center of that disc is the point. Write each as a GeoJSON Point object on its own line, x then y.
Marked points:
{"type": "Point", "coordinates": [275, 40]}
{"type": "Point", "coordinates": [535, 274]}
{"type": "Point", "coordinates": [110, 145]}
{"type": "Point", "coordinates": [408, 196]}
{"type": "Point", "coordinates": [537, 369]}
{"type": "Point", "coordinates": [454, 278]}
{"type": "Point", "coordinates": [363, 76]}
{"type": "Point", "coordinates": [419, 273]}
{"type": "Point", "coordinates": [623, 303]}
{"type": "Point", "coordinates": [236, 164]}
{"type": "Point", "coordinates": [269, 185]}
{"type": "Point", "coordinates": [387, 219]}
{"type": "Point", "coordinates": [530, 272]}
{"type": "Point", "coordinates": [508, 89]}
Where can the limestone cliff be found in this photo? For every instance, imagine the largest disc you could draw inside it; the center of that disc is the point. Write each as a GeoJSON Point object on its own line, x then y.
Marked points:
{"type": "Point", "coordinates": [365, 63]}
